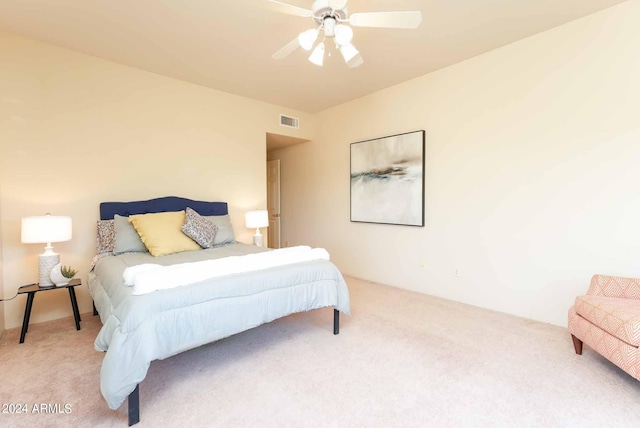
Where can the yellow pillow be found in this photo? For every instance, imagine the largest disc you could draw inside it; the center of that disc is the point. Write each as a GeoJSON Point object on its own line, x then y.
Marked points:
{"type": "Point", "coordinates": [162, 233]}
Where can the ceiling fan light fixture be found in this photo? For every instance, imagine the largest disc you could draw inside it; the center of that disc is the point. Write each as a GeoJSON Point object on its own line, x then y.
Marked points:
{"type": "Point", "coordinates": [348, 52]}
{"type": "Point", "coordinates": [356, 61]}
{"type": "Point", "coordinates": [334, 22]}
{"type": "Point", "coordinates": [308, 38]}
{"type": "Point", "coordinates": [329, 26]}
{"type": "Point", "coordinates": [317, 56]}
{"type": "Point", "coordinates": [344, 34]}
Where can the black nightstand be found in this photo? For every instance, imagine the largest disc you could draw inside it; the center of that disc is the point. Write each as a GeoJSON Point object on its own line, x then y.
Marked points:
{"type": "Point", "coordinates": [32, 289]}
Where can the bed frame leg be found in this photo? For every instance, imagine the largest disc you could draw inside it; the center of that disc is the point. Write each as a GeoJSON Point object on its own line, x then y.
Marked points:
{"type": "Point", "coordinates": [95, 311]}
{"type": "Point", "coordinates": [336, 321]}
{"type": "Point", "coordinates": [134, 406]}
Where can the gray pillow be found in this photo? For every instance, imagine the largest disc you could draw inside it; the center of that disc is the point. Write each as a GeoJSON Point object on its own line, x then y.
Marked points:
{"type": "Point", "coordinates": [224, 235]}
{"type": "Point", "coordinates": [199, 229]}
{"type": "Point", "coordinates": [127, 239]}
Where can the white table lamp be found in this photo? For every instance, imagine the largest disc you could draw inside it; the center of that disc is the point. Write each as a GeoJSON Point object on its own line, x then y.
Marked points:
{"type": "Point", "coordinates": [257, 219]}
{"type": "Point", "coordinates": [45, 230]}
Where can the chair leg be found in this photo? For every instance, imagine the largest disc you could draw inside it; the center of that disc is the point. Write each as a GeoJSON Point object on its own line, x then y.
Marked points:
{"type": "Point", "coordinates": [577, 344]}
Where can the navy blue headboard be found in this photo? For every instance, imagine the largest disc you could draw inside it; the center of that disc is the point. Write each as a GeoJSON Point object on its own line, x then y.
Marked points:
{"type": "Point", "coordinates": [169, 203]}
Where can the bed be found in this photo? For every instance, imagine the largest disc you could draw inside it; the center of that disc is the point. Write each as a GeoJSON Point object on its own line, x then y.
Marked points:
{"type": "Point", "coordinates": [139, 327]}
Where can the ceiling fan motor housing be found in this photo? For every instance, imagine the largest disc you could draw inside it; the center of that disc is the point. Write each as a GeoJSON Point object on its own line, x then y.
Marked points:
{"type": "Point", "coordinates": [321, 10]}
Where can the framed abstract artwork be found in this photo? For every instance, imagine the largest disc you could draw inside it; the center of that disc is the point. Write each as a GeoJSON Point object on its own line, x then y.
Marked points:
{"type": "Point", "coordinates": [387, 180]}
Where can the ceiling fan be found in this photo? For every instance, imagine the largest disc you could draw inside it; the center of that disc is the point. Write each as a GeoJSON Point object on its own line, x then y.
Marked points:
{"type": "Point", "coordinates": [332, 21]}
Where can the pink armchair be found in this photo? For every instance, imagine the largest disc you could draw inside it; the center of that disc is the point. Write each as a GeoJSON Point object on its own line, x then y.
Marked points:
{"type": "Point", "coordinates": [607, 319]}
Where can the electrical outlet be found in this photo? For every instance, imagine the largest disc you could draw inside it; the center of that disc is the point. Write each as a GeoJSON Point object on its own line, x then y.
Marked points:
{"type": "Point", "coordinates": [456, 273]}
{"type": "Point", "coordinates": [422, 266]}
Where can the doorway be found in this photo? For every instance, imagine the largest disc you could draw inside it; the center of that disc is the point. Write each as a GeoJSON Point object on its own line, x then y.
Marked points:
{"type": "Point", "coordinates": [273, 203]}
{"type": "Point", "coordinates": [275, 143]}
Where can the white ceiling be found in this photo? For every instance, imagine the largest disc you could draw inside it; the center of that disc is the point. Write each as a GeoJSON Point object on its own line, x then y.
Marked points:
{"type": "Point", "coordinates": [227, 44]}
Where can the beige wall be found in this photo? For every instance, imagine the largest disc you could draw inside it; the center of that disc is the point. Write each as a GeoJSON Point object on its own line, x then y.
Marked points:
{"type": "Point", "coordinates": [531, 172]}
{"type": "Point", "coordinates": [531, 167]}
{"type": "Point", "coordinates": [2, 296]}
{"type": "Point", "coordinates": [76, 130]}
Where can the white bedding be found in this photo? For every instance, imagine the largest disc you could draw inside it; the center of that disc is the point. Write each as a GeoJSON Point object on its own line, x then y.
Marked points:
{"type": "Point", "coordinates": [141, 328]}
{"type": "Point", "coordinates": [149, 277]}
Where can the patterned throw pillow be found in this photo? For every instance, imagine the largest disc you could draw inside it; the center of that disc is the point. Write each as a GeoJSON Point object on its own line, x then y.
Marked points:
{"type": "Point", "coordinates": [106, 236]}
{"type": "Point", "coordinates": [199, 228]}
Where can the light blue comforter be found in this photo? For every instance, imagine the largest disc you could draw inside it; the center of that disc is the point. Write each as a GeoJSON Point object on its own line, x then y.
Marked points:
{"type": "Point", "coordinates": [140, 329]}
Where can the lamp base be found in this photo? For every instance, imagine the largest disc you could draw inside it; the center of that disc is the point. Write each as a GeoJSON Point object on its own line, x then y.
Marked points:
{"type": "Point", "coordinates": [257, 239]}
{"type": "Point", "coordinates": [46, 262]}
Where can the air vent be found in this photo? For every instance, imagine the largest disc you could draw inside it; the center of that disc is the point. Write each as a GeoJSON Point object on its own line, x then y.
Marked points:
{"type": "Point", "coordinates": [290, 122]}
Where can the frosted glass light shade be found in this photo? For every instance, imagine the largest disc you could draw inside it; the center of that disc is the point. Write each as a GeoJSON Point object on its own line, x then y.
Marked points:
{"type": "Point", "coordinates": [46, 229]}
{"type": "Point", "coordinates": [317, 56]}
{"type": "Point", "coordinates": [356, 61]}
{"type": "Point", "coordinates": [258, 218]}
{"type": "Point", "coordinates": [308, 38]}
{"type": "Point", "coordinates": [348, 51]}
{"type": "Point", "coordinates": [344, 34]}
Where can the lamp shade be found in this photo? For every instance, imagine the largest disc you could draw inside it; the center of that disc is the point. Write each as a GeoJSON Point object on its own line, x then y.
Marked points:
{"type": "Point", "coordinates": [257, 218]}
{"type": "Point", "coordinates": [46, 229]}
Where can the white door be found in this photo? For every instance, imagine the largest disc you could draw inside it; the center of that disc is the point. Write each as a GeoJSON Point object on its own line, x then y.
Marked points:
{"type": "Point", "coordinates": [273, 202]}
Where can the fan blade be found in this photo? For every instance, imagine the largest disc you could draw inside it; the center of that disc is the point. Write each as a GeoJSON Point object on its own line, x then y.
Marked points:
{"type": "Point", "coordinates": [287, 8]}
{"type": "Point", "coordinates": [287, 49]}
{"type": "Point", "coordinates": [386, 19]}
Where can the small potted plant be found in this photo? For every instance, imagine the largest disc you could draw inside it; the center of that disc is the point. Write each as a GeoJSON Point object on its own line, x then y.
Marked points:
{"type": "Point", "coordinates": [61, 275]}
{"type": "Point", "coordinates": [68, 272]}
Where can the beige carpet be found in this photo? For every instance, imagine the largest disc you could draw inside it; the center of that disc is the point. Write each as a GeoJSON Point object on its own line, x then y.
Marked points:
{"type": "Point", "coordinates": [402, 360]}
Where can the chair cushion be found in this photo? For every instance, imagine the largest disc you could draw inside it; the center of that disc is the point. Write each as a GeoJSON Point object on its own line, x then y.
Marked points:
{"type": "Point", "coordinates": [615, 286]}
{"type": "Point", "coordinates": [618, 317]}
